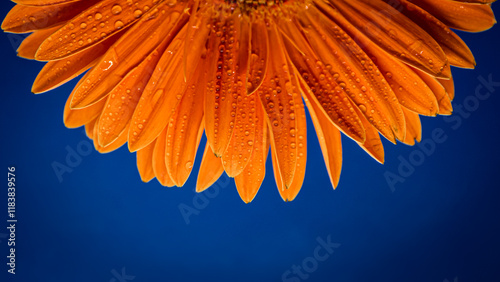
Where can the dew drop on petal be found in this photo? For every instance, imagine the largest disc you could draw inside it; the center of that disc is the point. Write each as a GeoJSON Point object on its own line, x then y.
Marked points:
{"type": "Point", "coordinates": [118, 24]}
{"type": "Point", "coordinates": [117, 9]}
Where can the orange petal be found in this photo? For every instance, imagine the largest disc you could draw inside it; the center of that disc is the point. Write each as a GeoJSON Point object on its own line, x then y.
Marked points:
{"type": "Point", "coordinates": [56, 73]}
{"type": "Point", "coordinates": [332, 98]}
{"type": "Point", "coordinates": [89, 129]}
{"type": "Point", "coordinates": [413, 129]}
{"type": "Point", "coordinates": [373, 145]}
{"type": "Point", "coordinates": [117, 143]}
{"type": "Point", "coordinates": [443, 99]}
{"type": "Point", "coordinates": [30, 44]}
{"type": "Point", "coordinates": [279, 95]}
{"type": "Point", "coordinates": [355, 73]}
{"type": "Point", "coordinates": [22, 19]}
{"type": "Point", "coordinates": [459, 15]}
{"type": "Point", "coordinates": [123, 99]}
{"type": "Point", "coordinates": [392, 31]}
{"type": "Point", "coordinates": [80, 117]}
{"type": "Point", "coordinates": [90, 27]}
{"type": "Point", "coordinates": [210, 170]}
{"type": "Point", "coordinates": [476, 1]}
{"type": "Point", "coordinates": [250, 179]}
{"type": "Point", "coordinates": [329, 138]}
{"type": "Point", "coordinates": [145, 162]}
{"type": "Point", "coordinates": [409, 89]}
{"type": "Point", "coordinates": [259, 58]}
{"type": "Point", "coordinates": [288, 193]}
{"type": "Point", "coordinates": [155, 107]}
{"type": "Point", "coordinates": [226, 78]}
{"type": "Point", "coordinates": [239, 151]}
{"type": "Point", "coordinates": [153, 29]}
{"type": "Point", "coordinates": [449, 86]}
{"type": "Point", "coordinates": [456, 50]}
{"type": "Point", "coordinates": [44, 2]}
{"type": "Point", "coordinates": [159, 167]}
{"type": "Point", "coordinates": [164, 91]}
{"type": "Point", "coordinates": [184, 132]}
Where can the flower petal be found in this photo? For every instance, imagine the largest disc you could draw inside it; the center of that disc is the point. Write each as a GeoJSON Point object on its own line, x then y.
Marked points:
{"type": "Point", "coordinates": [459, 15]}
{"type": "Point", "coordinates": [259, 58]}
{"type": "Point", "coordinates": [391, 31]}
{"type": "Point", "coordinates": [158, 27]}
{"type": "Point", "coordinates": [184, 132]}
{"type": "Point", "coordinates": [355, 72]}
{"type": "Point", "coordinates": [443, 99]}
{"type": "Point", "coordinates": [44, 2]}
{"type": "Point", "coordinates": [413, 128]}
{"type": "Point", "coordinates": [227, 76]}
{"type": "Point", "coordinates": [449, 86]}
{"type": "Point", "coordinates": [159, 167]}
{"type": "Point", "coordinates": [373, 145]}
{"type": "Point", "coordinates": [89, 129]}
{"type": "Point", "coordinates": [90, 27]}
{"type": "Point", "coordinates": [74, 118]}
{"type": "Point", "coordinates": [145, 162]}
{"type": "Point", "coordinates": [123, 99]}
{"type": "Point", "coordinates": [164, 90]}
{"type": "Point", "coordinates": [332, 98]}
{"type": "Point", "coordinates": [250, 179]}
{"type": "Point", "coordinates": [239, 150]}
{"type": "Point", "coordinates": [210, 170]}
{"type": "Point", "coordinates": [329, 138]}
{"type": "Point", "coordinates": [279, 95]}
{"type": "Point", "coordinates": [22, 19]}
{"type": "Point", "coordinates": [117, 143]}
{"type": "Point", "coordinates": [30, 44]}
{"type": "Point", "coordinates": [56, 73]}
{"type": "Point", "coordinates": [288, 193]}
{"type": "Point", "coordinates": [456, 50]}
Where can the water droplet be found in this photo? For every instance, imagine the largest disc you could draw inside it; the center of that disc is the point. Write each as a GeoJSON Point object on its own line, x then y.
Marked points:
{"type": "Point", "coordinates": [137, 13]}
{"type": "Point", "coordinates": [118, 24]}
{"type": "Point", "coordinates": [117, 9]}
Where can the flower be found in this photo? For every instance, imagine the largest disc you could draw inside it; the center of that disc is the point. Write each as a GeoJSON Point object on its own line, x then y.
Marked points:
{"type": "Point", "coordinates": [159, 73]}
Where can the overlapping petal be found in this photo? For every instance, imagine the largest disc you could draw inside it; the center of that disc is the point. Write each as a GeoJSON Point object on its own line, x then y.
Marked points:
{"type": "Point", "coordinates": [159, 73]}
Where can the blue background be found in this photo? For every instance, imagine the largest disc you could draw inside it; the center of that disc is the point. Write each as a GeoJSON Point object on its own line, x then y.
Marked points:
{"type": "Point", "coordinates": [441, 224]}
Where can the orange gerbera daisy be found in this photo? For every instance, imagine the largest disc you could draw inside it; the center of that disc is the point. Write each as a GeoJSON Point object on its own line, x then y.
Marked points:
{"type": "Point", "coordinates": [160, 72]}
